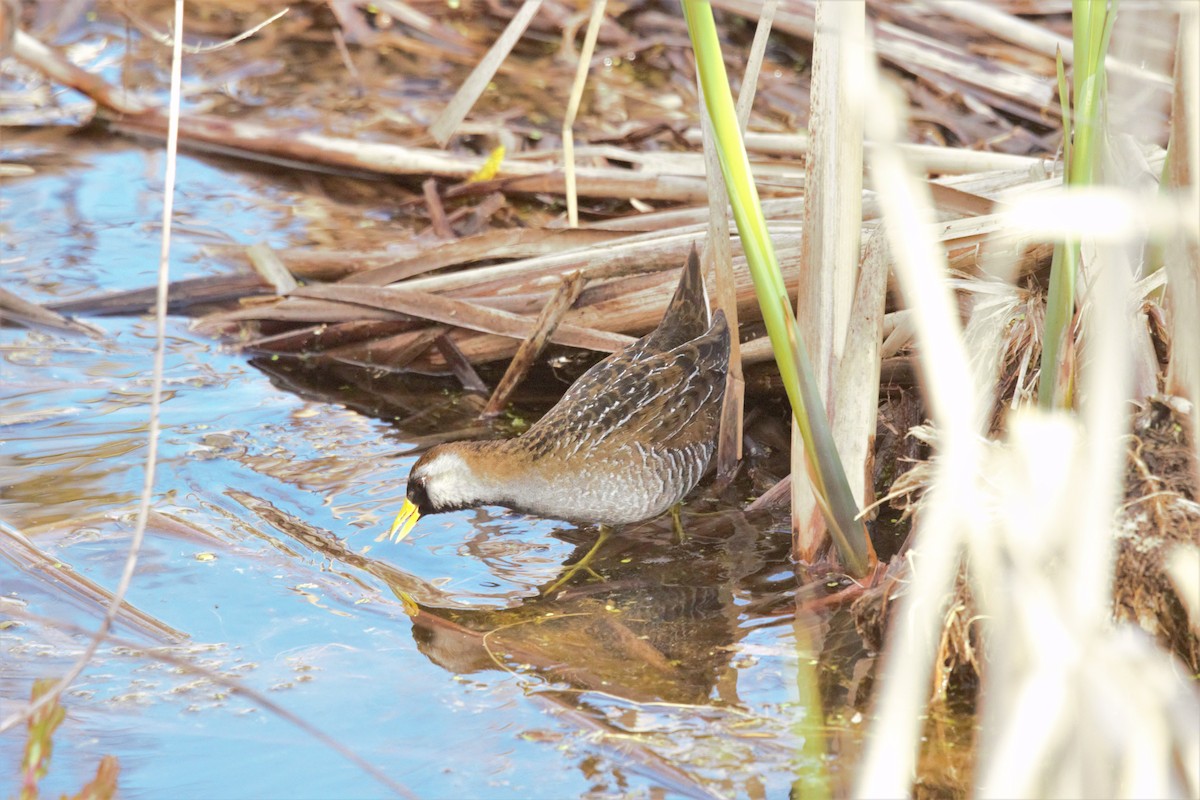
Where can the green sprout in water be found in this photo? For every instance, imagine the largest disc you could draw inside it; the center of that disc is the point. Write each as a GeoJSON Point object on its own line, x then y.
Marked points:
{"type": "Point", "coordinates": [40, 745]}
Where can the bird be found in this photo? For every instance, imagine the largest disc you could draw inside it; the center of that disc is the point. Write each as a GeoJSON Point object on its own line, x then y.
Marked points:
{"type": "Point", "coordinates": [627, 441]}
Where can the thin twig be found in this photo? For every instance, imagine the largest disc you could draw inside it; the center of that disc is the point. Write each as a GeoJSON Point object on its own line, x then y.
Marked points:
{"type": "Point", "coordinates": [552, 313]}
{"type": "Point", "coordinates": [54, 66]}
{"type": "Point", "coordinates": [719, 252]}
{"type": "Point", "coordinates": [339, 39]}
{"type": "Point", "coordinates": [456, 110]}
{"type": "Point", "coordinates": [758, 49]}
{"type": "Point", "coordinates": [118, 597]}
{"type": "Point", "coordinates": [129, 648]}
{"type": "Point", "coordinates": [437, 212]}
{"type": "Point", "coordinates": [568, 133]}
{"type": "Point", "coordinates": [168, 40]}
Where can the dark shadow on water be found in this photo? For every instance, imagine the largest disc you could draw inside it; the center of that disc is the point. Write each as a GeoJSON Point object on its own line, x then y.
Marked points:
{"type": "Point", "coordinates": [661, 621]}
{"type": "Point", "coordinates": [658, 626]}
{"type": "Point", "coordinates": [661, 624]}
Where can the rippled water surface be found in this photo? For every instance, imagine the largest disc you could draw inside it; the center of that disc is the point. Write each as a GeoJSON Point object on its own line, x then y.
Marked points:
{"type": "Point", "coordinates": [434, 660]}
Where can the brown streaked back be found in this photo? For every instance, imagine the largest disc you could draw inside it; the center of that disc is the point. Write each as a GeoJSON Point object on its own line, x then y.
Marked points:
{"type": "Point", "coordinates": [657, 398]}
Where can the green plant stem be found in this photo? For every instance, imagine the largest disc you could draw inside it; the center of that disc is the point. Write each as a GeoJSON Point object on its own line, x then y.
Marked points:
{"type": "Point", "coordinates": [1092, 24]}
{"type": "Point", "coordinates": [812, 776]}
{"type": "Point", "coordinates": [829, 478]}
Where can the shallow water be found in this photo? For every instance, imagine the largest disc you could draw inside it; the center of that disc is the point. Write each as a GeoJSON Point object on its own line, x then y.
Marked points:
{"type": "Point", "coordinates": [677, 674]}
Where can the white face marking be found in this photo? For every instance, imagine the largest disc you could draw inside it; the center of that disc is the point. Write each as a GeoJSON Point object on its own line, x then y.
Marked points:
{"type": "Point", "coordinates": [449, 481]}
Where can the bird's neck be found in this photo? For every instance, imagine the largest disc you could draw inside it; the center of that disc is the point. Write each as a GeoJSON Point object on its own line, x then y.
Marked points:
{"type": "Point", "coordinates": [493, 467]}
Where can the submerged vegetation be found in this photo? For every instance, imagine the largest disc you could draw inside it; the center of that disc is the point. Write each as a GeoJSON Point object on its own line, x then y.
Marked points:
{"type": "Point", "coordinates": [40, 745]}
{"type": "Point", "coordinates": [991, 381]}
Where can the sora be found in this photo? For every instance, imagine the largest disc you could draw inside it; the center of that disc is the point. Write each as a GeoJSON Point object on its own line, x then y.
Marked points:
{"type": "Point", "coordinates": [626, 442]}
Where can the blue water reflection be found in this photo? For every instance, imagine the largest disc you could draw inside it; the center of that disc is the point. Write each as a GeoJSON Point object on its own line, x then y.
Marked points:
{"type": "Point", "coordinates": [257, 488]}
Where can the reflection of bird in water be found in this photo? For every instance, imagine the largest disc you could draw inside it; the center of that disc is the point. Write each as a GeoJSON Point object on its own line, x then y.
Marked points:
{"type": "Point", "coordinates": [627, 441]}
{"type": "Point", "coordinates": [659, 628]}
{"type": "Point", "coordinates": [662, 626]}
{"type": "Point", "coordinates": [667, 643]}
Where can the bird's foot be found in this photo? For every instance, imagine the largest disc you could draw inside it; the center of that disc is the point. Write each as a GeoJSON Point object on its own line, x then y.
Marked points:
{"type": "Point", "coordinates": [581, 564]}
{"type": "Point", "coordinates": [677, 522]}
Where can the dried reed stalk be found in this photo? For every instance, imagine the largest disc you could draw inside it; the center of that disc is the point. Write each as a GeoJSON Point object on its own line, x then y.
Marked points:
{"type": "Point", "coordinates": [622, 295]}
{"type": "Point", "coordinates": [30, 314]}
{"type": "Point", "coordinates": [718, 254]}
{"type": "Point", "coordinates": [460, 313]}
{"type": "Point", "coordinates": [943, 62]}
{"type": "Point", "coordinates": [456, 110]}
{"type": "Point", "coordinates": [829, 251]}
{"type": "Point", "coordinates": [931, 158]}
{"type": "Point", "coordinates": [856, 380]}
{"type": "Point", "coordinates": [547, 322]}
{"type": "Point", "coordinates": [23, 554]}
{"type": "Point", "coordinates": [568, 126]}
{"type": "Point", "coordinates": [1183, 261]}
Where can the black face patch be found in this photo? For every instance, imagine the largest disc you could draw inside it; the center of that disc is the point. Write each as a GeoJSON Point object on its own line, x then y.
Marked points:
{"type": "Point", "coordinates": [419, 497]}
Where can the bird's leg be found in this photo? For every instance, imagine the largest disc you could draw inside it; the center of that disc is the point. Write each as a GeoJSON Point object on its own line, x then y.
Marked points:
{"type": "Point", "coordinates": [581, 563]}
{"type": "Point", "coordinates": [677, 522]}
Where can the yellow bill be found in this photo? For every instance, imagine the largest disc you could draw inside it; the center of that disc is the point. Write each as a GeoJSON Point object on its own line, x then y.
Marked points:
{"type": "Point", "coordinates": [405, 521]}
